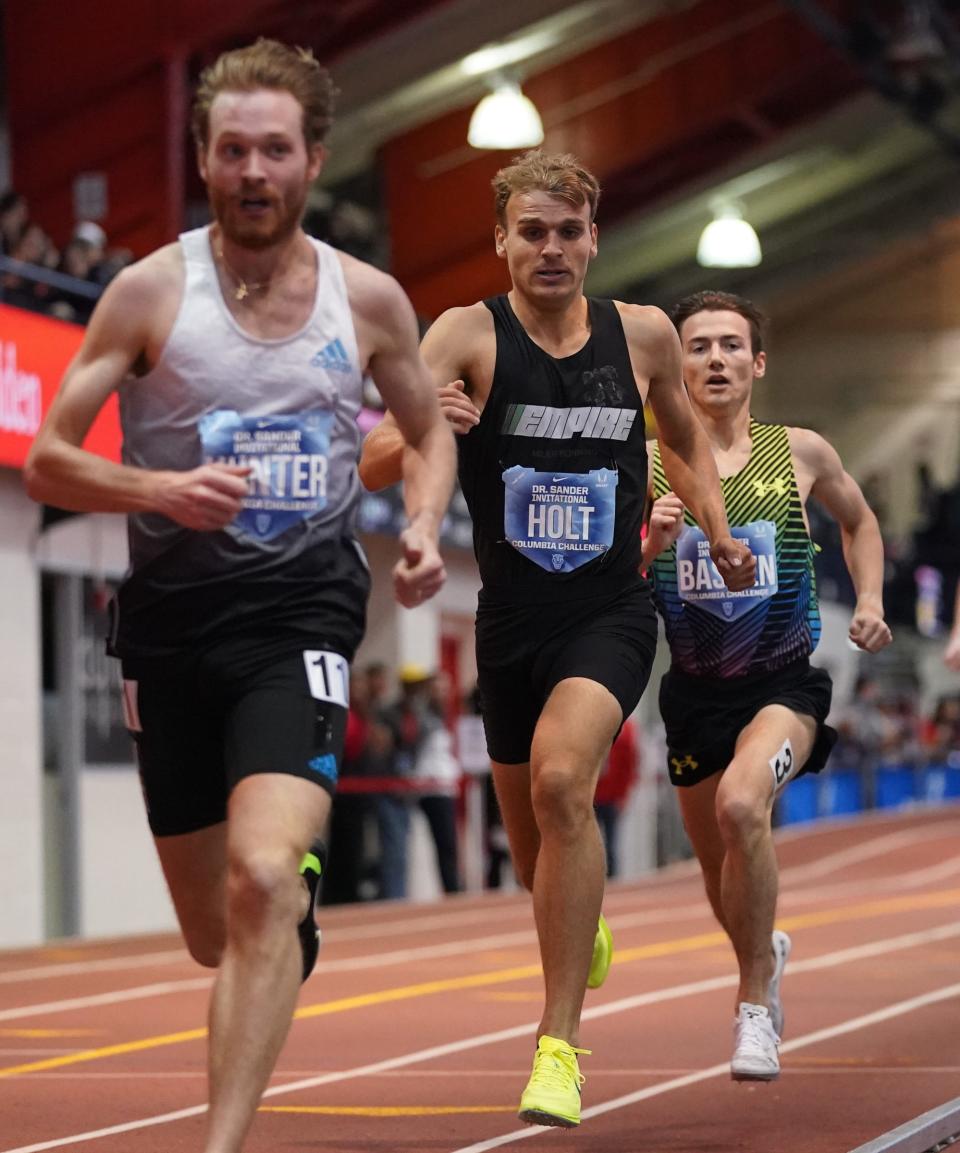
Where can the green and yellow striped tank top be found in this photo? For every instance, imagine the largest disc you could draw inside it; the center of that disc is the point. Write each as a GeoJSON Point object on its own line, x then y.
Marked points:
{"type": "Point", "coordinates": [716, 633]}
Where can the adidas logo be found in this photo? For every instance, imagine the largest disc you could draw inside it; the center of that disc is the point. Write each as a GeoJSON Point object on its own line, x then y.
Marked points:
{"type": "Point", "coordinates": [332, 356]}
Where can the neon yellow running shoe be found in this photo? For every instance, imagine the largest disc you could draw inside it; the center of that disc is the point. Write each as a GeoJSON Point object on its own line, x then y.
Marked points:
{"type": "Point", "coordinates": [311, 869]}
{"type": "Point", "coordinates": [602, 955]}
{"type": "Point", "coordinates": [552, 1095]}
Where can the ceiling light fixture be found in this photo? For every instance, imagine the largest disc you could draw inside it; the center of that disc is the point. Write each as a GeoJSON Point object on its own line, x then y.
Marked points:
{"type": "Point", "coordinates": [505, 118]}
{"type": "Point", "coordinates": [728, 241]}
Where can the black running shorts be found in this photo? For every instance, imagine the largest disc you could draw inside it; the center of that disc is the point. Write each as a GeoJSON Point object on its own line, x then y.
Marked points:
{"type": "Point", "coordinates": [704, 716]}
{"type": "Point", "coordinates": [204, 725]}
{"type": "Point", "coordinates": [524, 651]}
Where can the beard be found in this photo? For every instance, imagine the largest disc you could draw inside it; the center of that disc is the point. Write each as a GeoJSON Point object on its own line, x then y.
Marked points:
{"type": "Point", "coordinates": [278, 224]}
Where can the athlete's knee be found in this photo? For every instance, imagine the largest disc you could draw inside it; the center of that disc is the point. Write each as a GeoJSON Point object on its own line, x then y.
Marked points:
{"type": "Point", "coordinates": [263, 885]}
{"type": "Point", "coordinates": [561, 799]}
{"type": "Point", "coordinates": [743, 813]}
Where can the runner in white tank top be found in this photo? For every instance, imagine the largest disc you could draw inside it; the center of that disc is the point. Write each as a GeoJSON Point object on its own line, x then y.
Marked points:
{"type": "Point", "coordinates": [238, 354]}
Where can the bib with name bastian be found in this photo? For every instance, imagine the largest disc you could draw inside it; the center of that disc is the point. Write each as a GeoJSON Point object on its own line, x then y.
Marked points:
{"type": "Point", "coordinates": [699, 582]}
{"type": "Point", "coordinates": [712, 631]}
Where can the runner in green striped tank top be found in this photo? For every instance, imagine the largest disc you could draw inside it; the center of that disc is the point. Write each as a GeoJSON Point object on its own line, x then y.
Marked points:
{"type": "Point", "coordinates": [763, 628]}
{"type": "Point", "coordinates": [744, 710]}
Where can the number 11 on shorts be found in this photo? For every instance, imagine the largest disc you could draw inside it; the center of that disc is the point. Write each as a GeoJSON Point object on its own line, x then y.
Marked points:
{"type": "Point", "coordinates": [328, 675]}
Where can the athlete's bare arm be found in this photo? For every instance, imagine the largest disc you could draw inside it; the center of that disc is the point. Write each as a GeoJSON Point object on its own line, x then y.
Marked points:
{"type": "Point", "coordinates": [664, 520]}
{"type": "Point", "coordinates": [684, 448]}
{"type": "Point", "coordinates": [126, 331]}
{"type": "Point", "coordinates": [820, 473]}
{"type": "Point", "coordinates": [387, 334]}
{"type": "Point", "coordinates": [450, 352]}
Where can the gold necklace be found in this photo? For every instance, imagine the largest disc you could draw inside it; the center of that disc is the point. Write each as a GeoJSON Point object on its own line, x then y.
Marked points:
{"type": "Point", "coordinates": [243, 289]}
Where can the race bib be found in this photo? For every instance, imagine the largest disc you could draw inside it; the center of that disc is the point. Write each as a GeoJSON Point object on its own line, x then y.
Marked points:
{"type": "Point", "coordinates": [699, 583]}
{"type": "Point", "coordinates": [289, 455]}
{"type": "Point", "coordinates": [559, 520]}
{"type": "Point", "coordinates": [328, 675]}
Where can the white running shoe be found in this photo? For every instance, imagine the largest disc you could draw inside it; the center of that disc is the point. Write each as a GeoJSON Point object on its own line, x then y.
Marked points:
{"type": "Point", "coordinates": [781, 951]}
{"type": "Point", "coordinates": [755, 1055]}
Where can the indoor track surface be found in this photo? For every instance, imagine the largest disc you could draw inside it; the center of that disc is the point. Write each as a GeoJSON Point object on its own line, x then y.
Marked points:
{"type": "Point", "coordinates": [416, 1031]}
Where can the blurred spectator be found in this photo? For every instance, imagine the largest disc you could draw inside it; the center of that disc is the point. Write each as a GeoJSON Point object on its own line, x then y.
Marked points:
{"type": "Point", "coordinates": [616, 779]}
{"type": "Point", "coordinates": [14, 215]}
{"type": "Point", "coordinates": [864, 729]}
{"type": "Point", "coordinates": [78, 260]}
{"type": "Point", "coordinates": [94, 237]}
{"type": "Point", "coordinates": [422, 748]}
{"type": "Point", "coordinates": [437, 772]}
{"type": "Point", "coordinates": [941, 733]}
{"type": "Point", "coordinates": [376, 680]}
{"type": "Point", "coordinates": [367, 748]}
{"type": "Point", "coordinates": [393, 806]}
{"type": "Point", "coordinates": [86, 258]}
{"type": "Point", "coordinates": [33, 247]}
{"type": "Point", "coordinates": [498, 846]}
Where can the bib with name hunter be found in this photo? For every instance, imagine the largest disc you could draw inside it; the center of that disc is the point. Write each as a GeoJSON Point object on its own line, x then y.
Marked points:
{"type": "Point", "coordinates": [287, 409]}
{"type": "Point", "coordinates": [717, 633]}
{"type": "Point", "coordinates": [555, 473]}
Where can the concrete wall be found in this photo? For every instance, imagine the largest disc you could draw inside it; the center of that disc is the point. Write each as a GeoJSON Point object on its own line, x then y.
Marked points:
{"type": "Point", "coordinates": [21, 825]}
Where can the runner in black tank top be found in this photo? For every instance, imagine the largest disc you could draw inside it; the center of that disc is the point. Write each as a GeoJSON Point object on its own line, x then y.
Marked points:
{"type": "Point", "coordinates": [546, 389]}
{"type": "Point", "coordinates": [555, 478]}
{"type": "Point", "coordinates": [555, 474]}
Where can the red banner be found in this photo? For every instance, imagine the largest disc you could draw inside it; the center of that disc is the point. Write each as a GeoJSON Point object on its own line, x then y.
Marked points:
{"type": "Point", "coordinates": [34, 353]}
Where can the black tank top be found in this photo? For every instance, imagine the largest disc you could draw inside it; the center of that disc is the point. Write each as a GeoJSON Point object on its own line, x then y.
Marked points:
{"type": "Point", "coordinates": [555, 473]}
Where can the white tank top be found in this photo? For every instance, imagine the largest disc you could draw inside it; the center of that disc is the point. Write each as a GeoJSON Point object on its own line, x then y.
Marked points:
{"type": "Point", "coordinates": [285, 407]}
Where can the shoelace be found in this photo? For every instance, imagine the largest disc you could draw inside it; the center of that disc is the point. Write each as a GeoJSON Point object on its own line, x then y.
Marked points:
{"type": "Point", "coordinates": [555, 1067]}
{"type": "Point", "coordinates": [753, 1035]}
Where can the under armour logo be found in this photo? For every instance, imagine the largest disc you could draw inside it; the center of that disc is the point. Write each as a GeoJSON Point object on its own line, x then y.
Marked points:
{"type": "Point", "coordinates": [687, 763]}
{"type": "Point", "coordinates": [778, 486]}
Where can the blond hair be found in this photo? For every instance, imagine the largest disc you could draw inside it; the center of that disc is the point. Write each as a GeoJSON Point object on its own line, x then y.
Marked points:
{"type": "Point", "coordinates": [560, 174]}
{"type": "Point", "coordinates": [268, 64]}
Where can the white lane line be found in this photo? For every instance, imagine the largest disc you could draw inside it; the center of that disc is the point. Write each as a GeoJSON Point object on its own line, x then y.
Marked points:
{"type": "Point", "coordinates": [512, 905]}
{"type": "Point", "coordinates": [106, 965]}
{"type": "Point", "coordinates": [843, 956]}
{"type": "Point", "coordinates": [871, 819]}
{"type": "Point", "coordinates": [508, 907]}
{"type": "Point", "coordinates": [867, 850]}
{"type": "Point", "coordinates": [923, 879]}
{"type": "Point", "coordinates": [620, 922]}
{"type": "Point", "coordinates": [851, 1026]}
{"type": "Point", "coordinates": [118, 996]}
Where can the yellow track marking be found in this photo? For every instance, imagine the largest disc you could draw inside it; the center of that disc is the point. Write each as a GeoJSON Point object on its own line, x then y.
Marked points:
{"type": "Point", "coordinates": [912, 903]}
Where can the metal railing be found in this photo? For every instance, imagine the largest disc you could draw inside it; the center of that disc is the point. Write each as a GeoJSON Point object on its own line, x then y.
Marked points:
{"type": "Point", "coordinates": [41, 275]}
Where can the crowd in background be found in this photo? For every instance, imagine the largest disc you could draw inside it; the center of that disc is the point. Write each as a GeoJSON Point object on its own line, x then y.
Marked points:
{"type": "Point", "coordinates": [399, 755]}
{"type": "Point", "coordinates": [880, 728]}
{"type": "Point", "coordinates": [87, 259]}
{"type": "Point", "coordinates": [401, 747]}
